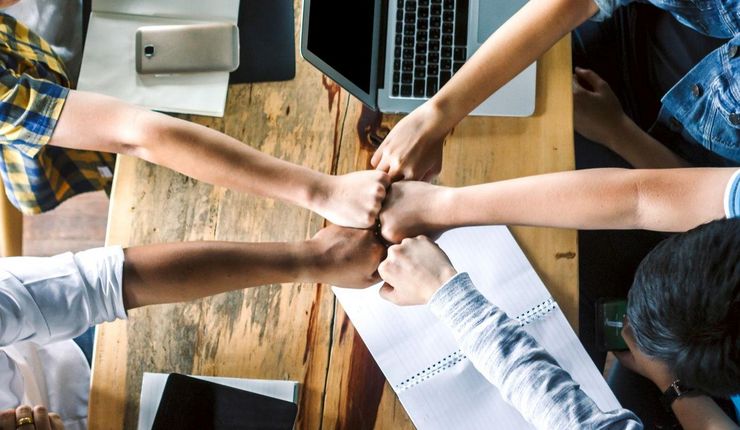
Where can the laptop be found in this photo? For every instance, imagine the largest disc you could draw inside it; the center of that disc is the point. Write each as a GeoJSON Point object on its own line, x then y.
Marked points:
{"type": "Point", "coordinates": [395, 54]}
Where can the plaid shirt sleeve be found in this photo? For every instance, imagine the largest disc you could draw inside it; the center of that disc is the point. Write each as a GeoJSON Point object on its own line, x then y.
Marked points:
{"type": "Point", "coordinates": [29, 111]}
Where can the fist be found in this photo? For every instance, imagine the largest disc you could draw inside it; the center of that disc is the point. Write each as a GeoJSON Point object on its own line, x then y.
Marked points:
{"type": "Point", "coordinates": [411, 208]}
{"type": "Point", "coordinates": [352, 200]}
{"type": "Point", "coordinates": [346, 257]}
{"type": "Point", "coordinates": [413, 271]}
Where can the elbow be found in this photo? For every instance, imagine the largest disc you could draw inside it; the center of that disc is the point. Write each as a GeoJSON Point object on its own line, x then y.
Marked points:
{"type": "Point", "coordinates": [139, 134]}
{"type": "Point", "coordinates": [581, 11]}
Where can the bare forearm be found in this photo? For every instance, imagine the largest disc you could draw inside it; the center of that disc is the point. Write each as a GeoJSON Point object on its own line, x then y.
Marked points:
{"type": "Point", "coordinates": [216, 158]}
{"type": "Point", "coordinates": [178, 272]}
{"type": "Point", "coordinates": [95, 122]}
{"type": "Point", "coordinates": [515, 45]}
{"type": "Point", "coordinates": [663, 200]}
{"type": "Point", "coordinates": [641, 150]}
{"type": "Point", "coordinates": [701, 413]}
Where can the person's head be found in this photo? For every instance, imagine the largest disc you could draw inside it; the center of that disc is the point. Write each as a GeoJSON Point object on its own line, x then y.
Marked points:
{"type": "Point", "coordinates": [684, 306]}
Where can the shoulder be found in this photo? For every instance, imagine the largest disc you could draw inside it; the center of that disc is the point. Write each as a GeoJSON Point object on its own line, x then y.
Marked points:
{"type": "Point", "coordinates": [732, 196]}
{"type": "Point", "coordinates": [25, 53]}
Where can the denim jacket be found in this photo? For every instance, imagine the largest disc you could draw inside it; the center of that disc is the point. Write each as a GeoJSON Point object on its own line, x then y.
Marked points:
{"type": "Point", "coordinates": [704, 106]}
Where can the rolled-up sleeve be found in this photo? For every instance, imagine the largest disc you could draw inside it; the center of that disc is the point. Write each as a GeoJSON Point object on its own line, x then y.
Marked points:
{"type": "Point", "coordinates": [607, 8]}
{"type": "Point", "coordinates": [50, 299]}
{"type": "Point", "coordinates": [29, 110]}
{"type": "Point", "coordinates": [732, 197]}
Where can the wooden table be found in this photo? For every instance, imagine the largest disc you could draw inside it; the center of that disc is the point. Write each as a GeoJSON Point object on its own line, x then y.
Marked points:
{"type": "Point", "coordinates": [298, 332]}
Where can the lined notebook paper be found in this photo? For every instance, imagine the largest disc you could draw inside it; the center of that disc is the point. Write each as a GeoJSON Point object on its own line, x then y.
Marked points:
{"type": "Point", "coordinates": [434, 380]}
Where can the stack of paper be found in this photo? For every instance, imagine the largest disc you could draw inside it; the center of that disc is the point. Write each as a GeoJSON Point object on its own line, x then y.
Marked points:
{"type": "Point", "coordinates": [108, 64]}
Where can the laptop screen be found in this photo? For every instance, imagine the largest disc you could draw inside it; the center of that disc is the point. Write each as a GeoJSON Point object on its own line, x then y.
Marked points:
{"type": "Point", "coordinates": [340, 34]}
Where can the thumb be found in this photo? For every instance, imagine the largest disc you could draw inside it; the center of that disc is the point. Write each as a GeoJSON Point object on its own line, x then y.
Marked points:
{"type": "Point", "coordinates": [378, 155]}
{"type": "Point", "coordinates": [388, 292]}
{"type": "Point", "coordinates": [577, 87]}
{"type": "Point", "coordinates": [590, 78]}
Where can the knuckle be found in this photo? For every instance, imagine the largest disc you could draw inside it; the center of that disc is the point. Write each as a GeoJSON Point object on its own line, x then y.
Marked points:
{"type": "Point", "coordinates": [40, 409]}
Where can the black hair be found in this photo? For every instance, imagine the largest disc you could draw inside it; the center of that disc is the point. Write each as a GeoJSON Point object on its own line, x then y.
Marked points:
{"type": "Point", "coordinates": [684, 306]}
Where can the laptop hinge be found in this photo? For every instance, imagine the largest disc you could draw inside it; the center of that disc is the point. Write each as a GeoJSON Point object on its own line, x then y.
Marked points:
{"type": "Point", "coordinates": [382, 34]}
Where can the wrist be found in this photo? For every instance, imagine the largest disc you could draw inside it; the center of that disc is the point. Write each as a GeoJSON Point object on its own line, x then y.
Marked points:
{"type": "Point", "coordinates": [441, 114]}
{"type": "Point", "coordinates": [317, 191]}
{"type": "Point", "coordinates": [442, 207]}
{"type": "Point", "coordinates": [662, 381]}
{"type": "Point", "coordinates": [307, 262]}
{"type": "Point", "coordinates": [456, 213]}
{"type": "Point", "coordinates": [444, 275]}
{"type": "Point", "coordinates": [623, 132]}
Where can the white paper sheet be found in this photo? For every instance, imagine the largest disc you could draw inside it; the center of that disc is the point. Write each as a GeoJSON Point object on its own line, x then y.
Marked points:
{"type": "Point", "coordinates": [410, 344]}
{"type": "Point", "coordinates": [153, 386]}
{"type": "Point", "coordinates": [210, 10]}
{"type": "Point", "coordinates": [109, 61]}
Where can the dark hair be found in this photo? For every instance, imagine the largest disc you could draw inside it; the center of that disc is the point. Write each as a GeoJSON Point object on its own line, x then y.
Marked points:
{"type": "Point", "coordinates": [684, 306]}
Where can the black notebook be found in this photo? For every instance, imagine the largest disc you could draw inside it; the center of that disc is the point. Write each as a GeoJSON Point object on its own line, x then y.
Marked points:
{"type": "Point", "coordinates": [266, 41]}
{"type": "Point", "coordinates": [194, 404]}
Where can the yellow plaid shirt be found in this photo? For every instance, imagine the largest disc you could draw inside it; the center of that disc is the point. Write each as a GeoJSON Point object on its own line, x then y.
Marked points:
{"type": "Point", "coordinates": [33, 89]}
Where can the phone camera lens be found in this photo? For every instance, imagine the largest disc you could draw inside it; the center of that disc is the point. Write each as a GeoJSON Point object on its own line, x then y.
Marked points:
{"type": "Point", "coordinates": [149, 51]}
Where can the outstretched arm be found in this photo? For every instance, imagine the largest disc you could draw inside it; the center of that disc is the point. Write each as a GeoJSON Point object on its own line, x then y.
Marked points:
{"type": "Point", "coordinates": [413, 148]}
{"type": "Point", "coordinates": [100, 123]}
{"type": "Point", "coordinates": [56, 298]}
{"type": "Point", "coordinates": [417, 272]}
{"type": "Point", "coordinates": [179, 272]}
{"type": "Point", "coordinates": [662, 200]}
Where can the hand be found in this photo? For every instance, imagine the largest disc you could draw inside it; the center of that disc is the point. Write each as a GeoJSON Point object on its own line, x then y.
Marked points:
{"type": "Point", "coordinates": [597, 114]}
{"type": "Point", "coordinates": [42, 419]}
{"type": "Point", "coordinates": [410, 208]}
{"type": "Point", "coordinates": [414, 271]}
{"type": "Point", "coordinates": [413, 148]}
{"type": "Point", "coordinates": [352, 200]}
{"type": "Point", "coordinates": [346, 257]}
{"type": "Point", "coordinates": [635, 360]}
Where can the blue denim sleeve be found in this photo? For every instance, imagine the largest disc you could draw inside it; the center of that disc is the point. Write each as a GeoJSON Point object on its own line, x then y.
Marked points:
{"type": "Point", "coordinates": [526, 375]}
{"type": "Point", "coordinates": [732, 197]}
{"type": "Point", "coordinates": [607, 8]}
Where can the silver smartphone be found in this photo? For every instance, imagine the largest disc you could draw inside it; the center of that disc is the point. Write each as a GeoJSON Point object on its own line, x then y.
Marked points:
{"type": "Point", "coordinates": [189, 48]}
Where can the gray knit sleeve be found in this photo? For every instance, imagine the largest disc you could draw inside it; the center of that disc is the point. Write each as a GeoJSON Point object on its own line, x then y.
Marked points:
{"type": "Point", "coordinates": [526, 375]}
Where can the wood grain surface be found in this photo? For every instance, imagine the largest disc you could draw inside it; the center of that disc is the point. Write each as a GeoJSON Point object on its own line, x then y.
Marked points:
{"type": "Point", "coordinates": [11, 227]}
{"type": "Point", "coordinates": [299, 332]}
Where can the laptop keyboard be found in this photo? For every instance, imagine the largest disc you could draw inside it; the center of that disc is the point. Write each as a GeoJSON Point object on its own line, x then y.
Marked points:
{"type": "Point", "coordinates": [430, 45]}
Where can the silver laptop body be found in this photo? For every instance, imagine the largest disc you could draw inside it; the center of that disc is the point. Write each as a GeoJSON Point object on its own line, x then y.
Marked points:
{"type": "Point", "coordinates": [417, 45]}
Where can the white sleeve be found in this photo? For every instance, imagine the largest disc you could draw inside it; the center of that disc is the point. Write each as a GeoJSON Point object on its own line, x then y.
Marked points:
{"type": "Point", "coordinates": [50, 299]}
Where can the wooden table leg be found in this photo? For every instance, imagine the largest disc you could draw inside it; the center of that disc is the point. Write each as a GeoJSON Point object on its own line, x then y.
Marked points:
{"type": "Point", "coordinates": [11, 228]}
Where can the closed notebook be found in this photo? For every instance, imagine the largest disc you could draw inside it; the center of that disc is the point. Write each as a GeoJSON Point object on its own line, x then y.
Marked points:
{"type": "Point", "coordinates": [194, 404]}
{"type": "Point", "coordinates": [435, 381]}
{"type": "Point", "coordinates": [267, 41]}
